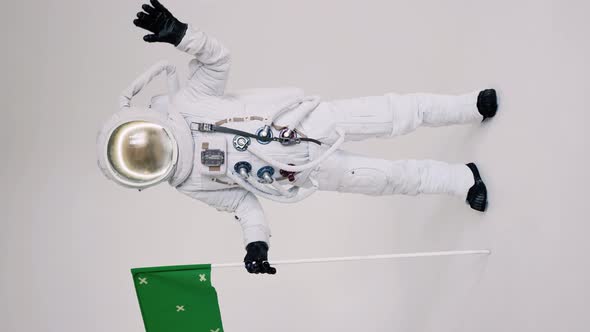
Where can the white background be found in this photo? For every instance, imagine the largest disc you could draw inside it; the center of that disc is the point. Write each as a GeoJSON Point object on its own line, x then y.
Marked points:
{"type": "Point", "coordinates": [68, 237]}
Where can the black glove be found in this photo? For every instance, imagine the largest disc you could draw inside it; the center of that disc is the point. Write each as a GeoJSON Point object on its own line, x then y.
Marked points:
{"type": "Point", "coordinates": [256, 260]}
{"type": "Point", "coordinates": [165, 27]}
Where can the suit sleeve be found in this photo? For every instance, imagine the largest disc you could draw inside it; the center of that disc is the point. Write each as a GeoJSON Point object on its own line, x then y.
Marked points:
{"type": "Point", "coordinates": [246, 208]}
{"type": "Point", "coordinates": [210, 67]}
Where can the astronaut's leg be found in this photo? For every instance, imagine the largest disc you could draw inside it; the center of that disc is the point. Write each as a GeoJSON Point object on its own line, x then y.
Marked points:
{"type": "Point", "coordinates": [352, 173]}
{"type": "Point", "coordinates": [394, 114]}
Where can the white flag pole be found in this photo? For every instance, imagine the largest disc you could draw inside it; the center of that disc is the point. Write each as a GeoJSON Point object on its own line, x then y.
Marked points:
{"type": "Point", "coordinates": [364, 258]}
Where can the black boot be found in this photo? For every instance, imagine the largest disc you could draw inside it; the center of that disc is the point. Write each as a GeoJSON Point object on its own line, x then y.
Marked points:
{"type": "Point", "coordinates": [477, 197]}
{"type": "Point", "coordinates": [487, 103]}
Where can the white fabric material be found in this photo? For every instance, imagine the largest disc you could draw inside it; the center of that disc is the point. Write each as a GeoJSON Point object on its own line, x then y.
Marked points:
{"type": "Point", "coordinates": [267, 96]}
{"type": "Point", "coordinates": [203, 99]}
{"type": "Point", "coordinates": [387, 116]}
{"type": "Point", "coordinates": [352, 173]}
{"type": "Point", "coordinates": [210, 68]}
{"type": "Point", "coordinates": [244, 204]}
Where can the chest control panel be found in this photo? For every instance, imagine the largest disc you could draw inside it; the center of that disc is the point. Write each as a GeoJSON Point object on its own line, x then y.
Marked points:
{"type": "Point", "coordinates": [212, 152]}
{"type": "Point", "coordinates": [212, 157]}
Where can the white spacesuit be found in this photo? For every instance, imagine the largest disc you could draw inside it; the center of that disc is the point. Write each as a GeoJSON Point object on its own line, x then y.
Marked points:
{"type": "Point", "coordinates": [225, 149]}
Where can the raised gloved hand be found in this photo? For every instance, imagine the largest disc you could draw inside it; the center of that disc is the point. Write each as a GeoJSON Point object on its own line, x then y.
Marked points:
{"type": "Point", "coordinates": [256, 260]}
{"type": "Point", "coordinates": [157, 19]}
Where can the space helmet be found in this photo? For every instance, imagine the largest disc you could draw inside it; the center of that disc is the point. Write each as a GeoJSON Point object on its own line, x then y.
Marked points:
{"type": "Point", "coordinates": [139, 147]}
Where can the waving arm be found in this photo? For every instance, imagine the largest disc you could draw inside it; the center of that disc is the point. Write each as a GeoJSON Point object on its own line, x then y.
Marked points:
{"type": "Point", "coordinates": [210, 67]}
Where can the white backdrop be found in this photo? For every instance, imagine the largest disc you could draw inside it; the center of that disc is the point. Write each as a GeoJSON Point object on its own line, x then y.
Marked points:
{"type": "Point", "coordinates": [69, 237]}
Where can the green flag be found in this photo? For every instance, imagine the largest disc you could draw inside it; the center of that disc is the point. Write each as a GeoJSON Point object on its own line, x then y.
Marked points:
{"type": "Point", "coordinates": [177, 299]}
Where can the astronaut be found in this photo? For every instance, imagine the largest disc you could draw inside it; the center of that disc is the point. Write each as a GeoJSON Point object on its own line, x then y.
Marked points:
{"type": "Point", "coordinates": [228, 149]}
